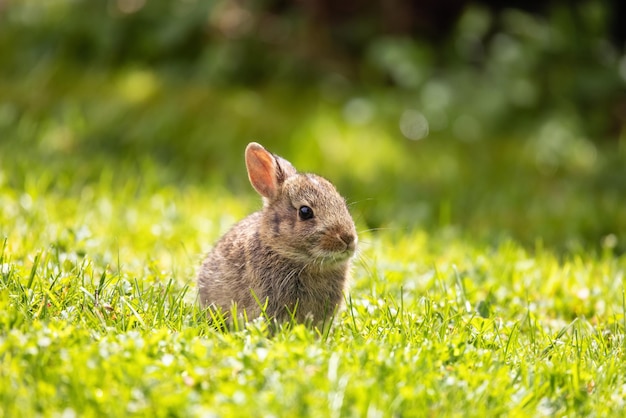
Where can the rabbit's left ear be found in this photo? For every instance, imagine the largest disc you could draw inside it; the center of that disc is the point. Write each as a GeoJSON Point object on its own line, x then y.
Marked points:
{"type": "Point", "coordinates": [266, 171]}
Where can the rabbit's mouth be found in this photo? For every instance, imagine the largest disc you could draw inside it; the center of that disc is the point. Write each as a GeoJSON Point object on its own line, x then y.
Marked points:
{"type": "Point", "coordinates": [340, 244]}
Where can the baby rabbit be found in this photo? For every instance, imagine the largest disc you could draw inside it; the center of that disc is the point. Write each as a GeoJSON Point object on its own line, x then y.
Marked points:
{"type": "Point", "coordinates": [292, 257]}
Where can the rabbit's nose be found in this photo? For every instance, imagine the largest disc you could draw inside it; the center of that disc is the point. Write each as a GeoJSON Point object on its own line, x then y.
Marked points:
{"type": "Point", "coordinates": [349, 239]}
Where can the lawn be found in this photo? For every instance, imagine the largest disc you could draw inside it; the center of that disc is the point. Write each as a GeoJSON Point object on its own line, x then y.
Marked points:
{"type": "Point", "coordinates": [98, 312]}
{"type": "Point", "coordinates": [490, 276]}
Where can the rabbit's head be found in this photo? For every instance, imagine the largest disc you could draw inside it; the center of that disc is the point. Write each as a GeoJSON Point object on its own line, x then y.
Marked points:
{"type": "Point", "coordinates": [304, 217]}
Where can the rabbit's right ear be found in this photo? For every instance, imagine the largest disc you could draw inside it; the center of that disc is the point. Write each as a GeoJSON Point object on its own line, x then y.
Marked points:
{"type": "Point", "coordinates": [266, 171]}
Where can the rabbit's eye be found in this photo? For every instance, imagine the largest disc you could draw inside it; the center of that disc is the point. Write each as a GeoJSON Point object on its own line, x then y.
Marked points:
{"type": "Point", "coordinates": [305, 213]}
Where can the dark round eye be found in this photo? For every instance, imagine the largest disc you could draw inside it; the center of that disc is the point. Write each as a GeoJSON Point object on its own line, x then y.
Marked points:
{"type": "Point", "coordinates": [305, 213]}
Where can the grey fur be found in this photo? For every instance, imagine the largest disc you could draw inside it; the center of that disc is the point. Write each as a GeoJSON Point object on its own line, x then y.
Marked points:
{"type": "Point", "coordinates": [286, 262]}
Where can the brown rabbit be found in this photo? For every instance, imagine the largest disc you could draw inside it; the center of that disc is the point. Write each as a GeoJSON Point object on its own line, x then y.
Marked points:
{"type": "Point", "coordinates": [293, 257]}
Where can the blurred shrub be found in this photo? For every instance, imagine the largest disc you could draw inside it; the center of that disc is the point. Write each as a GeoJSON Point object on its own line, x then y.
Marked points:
{"type": "Point", "coordinates": [496, 128]}
{"type": "Point", "coordinates": [102, 32]}
{"type": "Point", "coordinates": [494, 72]}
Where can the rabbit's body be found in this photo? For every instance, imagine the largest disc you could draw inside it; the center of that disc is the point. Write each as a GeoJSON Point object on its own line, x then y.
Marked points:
{"type": "Point", "coordinates": [291, 260]}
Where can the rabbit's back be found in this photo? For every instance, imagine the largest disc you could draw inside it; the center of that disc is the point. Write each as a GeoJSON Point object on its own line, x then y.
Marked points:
{"type": "Point", "coordinates": [225, 275]}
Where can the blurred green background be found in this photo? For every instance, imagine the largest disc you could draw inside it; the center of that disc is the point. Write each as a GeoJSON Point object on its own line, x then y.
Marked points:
{"type": "Point", "coordinates": [478, 119]}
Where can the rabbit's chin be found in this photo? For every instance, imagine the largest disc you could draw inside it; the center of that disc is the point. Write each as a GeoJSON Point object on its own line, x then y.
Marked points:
{"type": "Point", "coordinates": [331, 258]}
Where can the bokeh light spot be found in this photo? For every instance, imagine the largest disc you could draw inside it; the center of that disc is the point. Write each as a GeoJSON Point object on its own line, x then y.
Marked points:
{"type": "Point", "coordinates": [358, 111]}
{"type": "Point", "coordinates": [130, 6]}
{"type": "Point", "coordinates": [413, 125]}
{"type": "Point", "coordinates": [137, 86]}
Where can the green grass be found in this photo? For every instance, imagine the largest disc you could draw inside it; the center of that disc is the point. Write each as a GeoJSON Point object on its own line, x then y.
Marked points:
{"type": "Point", "coordinates": [490, 279]}
{"type": "Point", "coordinates": [97, 314]}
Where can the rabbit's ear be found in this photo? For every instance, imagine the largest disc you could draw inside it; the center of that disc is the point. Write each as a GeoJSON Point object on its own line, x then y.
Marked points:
{"type": "Point", "coordinates": [266, 171]}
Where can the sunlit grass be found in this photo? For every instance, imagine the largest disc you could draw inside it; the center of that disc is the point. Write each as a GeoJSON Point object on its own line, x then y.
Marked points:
{"type": "Point", "coordinates": [485, 177]}
{"type": "Point", "coordinates": [98, 316]}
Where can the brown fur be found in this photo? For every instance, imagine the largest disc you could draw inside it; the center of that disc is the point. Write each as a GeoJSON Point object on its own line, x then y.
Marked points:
{"type": "Point", "coordinates": [290, 264]}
